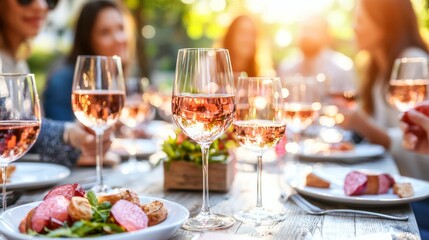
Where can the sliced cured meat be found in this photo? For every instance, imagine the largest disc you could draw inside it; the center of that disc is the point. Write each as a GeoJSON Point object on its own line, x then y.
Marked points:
{"type": "Point", "coordinates": [359, 183]}
{"type": "Point", "coordinates": [66, 190]}
{"type": "Point", "coordinates": [385, 182]}
{"type": "Point", "coordinates": [355, 183]}
{"type": "Point", "coordinates": [129, 215]}
{"type": "Point", "coordinates": [51, 213]}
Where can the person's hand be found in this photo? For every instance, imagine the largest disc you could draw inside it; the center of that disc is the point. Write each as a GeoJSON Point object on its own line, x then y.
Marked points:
{"type": "Point", "coordinates": [83, 139]}
{"type": "Point", "coordinates": [416, 131]}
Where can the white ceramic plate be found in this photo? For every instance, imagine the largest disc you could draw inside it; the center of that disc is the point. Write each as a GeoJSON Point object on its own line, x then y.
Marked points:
{"type": "Point", "coordinates": [336, 193]}
{"type": "Point", "coordinates": [36, 174]}
{"type": "Point", "coordinates": [144, 147]}
{"type": "Point", "coordinates": [361, 151]}
{"type": "Point", "coordinates": [177, 214]}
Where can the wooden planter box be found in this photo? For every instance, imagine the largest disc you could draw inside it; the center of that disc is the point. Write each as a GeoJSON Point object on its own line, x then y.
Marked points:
{"type": "Point", "coordinates": [182, 175]}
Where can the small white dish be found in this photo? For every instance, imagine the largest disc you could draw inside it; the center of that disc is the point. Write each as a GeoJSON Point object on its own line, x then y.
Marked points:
{"type": "Point", "coordinates": [360, 152]}
{"type": "Point", "coordinates": [35, 175]}
{"type": "Point", "coordinates": [335, 193]}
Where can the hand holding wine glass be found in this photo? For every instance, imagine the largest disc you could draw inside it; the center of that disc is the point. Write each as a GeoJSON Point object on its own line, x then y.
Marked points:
{"type": "Point", "coordinates": [20, 119]}
{"type": "Point", "coordinates": [259, 125]}
{"type": "Point", "coordinates": [97, 99]}
{"type": "Point", "coordinates": [203, 108]}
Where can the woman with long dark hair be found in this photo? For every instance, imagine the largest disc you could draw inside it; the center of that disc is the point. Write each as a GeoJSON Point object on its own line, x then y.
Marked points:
{"type": "Point", "coordinates": [101, 29]}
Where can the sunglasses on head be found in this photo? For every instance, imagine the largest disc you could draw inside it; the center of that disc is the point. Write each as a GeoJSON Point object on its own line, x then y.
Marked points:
{"type": "Point", "coordinates": [51, 3]}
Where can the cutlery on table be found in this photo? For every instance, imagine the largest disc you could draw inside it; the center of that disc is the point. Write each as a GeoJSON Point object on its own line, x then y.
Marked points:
{"type": "Point", "coordinates": [314, 210]}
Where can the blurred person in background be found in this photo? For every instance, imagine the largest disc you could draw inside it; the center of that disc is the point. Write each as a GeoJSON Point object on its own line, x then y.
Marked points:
{"type": "Point", "coordinates": [102, 28]}
{"type": "Point", "coordinates": [387, 29]}
{"type": "Point", "coordinates": [248, 49]}
{"type": "Point", "coordinates": [58, 142]}
{"type": "Point", "coordinates": [317, 57]}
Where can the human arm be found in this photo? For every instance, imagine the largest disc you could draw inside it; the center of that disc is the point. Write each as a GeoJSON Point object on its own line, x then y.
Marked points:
{"type": "Point", "coordinates": [363, 125]}
{"type": "Point", "coordinates": [63, 143]}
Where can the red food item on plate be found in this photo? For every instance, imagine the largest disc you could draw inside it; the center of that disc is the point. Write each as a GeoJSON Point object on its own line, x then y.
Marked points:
{"type": "Point", "coordinates": [359, 183]}
{"type": "Point", "coordinates": [66, 190]}
{"type": "Point", "coordinates": [129, 215]}
{"type": "Point", "coordinates": [50, 213]}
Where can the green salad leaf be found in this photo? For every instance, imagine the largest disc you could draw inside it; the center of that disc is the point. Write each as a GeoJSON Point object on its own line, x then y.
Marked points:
{"type": "Point", "coordinates": [182, 148]}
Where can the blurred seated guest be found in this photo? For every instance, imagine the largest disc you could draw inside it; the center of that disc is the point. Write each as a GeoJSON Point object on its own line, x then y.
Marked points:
{"type": "Point", "coordinates": [249, 52]}
{"type": "Point", "coordinates": [100, 30]}
{"type": "Point", "coordinates": [317, 57]}
{"type": "Point", "coordinates": [384, 40]}
{"type": "Point", "coordinates": [58, 142]}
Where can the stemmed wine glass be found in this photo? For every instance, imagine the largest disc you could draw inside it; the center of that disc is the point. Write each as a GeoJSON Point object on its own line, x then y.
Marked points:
{"type": "Point", "coordinates": [20, 119]}
{"type": "Point", "coordinates": [302, 104]}
{"type": "Point", "coordinates": [408, 83]}
{"type": "Point", "coordinates": [259, 125]}
{"type": "Point", "coordinates": [97, 99]}
{"type": "Point", "coordinates": [137, 110]}
{"type": "Point", "coordinates": [203, 108]}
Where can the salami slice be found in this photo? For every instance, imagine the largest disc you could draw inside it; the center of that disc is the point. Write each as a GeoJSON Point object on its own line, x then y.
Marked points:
{"type": "Point", "coordinates": [355, 183]}
{"type": "Point", "coordinates": [50, 213]}
{"type": "Point", "coordinates": [129, 215]}
{"type": "Point", "coordinates": [359, 183]}
{"type": "Point", "coordinates": [66, 190]}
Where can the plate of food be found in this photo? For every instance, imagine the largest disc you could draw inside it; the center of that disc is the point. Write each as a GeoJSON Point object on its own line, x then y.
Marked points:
{"type": "Point", "coordinates": [67, 211]}
{"type": "Point", "coordinates": [22, 175]}
{"type": "Point", "coordinates": [144, 147]}
{"type": "Point", "coordinates": [359, 187]}
{"type": "Point", "coordinates": [342, 151]}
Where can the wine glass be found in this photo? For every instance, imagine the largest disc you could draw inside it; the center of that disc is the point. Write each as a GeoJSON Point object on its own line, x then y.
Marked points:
{"type": "Point", "coordinates": [203, 108]}
{"type": "Point", "coordinates": [20, 119]}
{"type": "Point", "coordinates": [341, 95]}
{"type": "Point", "coordinates": [137, 110]}
{"type": "Point", "coordinates": [259, 125]}
{"type": "Point", "coordinates": [97, 98]}
{"type": "Point", "coordinates": [408, 83]}
{"type": "Point", "coordinates": [302, 103]}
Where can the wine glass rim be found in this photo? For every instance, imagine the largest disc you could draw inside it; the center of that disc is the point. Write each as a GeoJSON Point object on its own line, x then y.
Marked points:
{"type": "Point", "coordinates": [411, 59]}
{"type": "Point", "coordinates": [99, 56]}
{"type": "Point", "coordinates": [17, 74]}
{"type": "Point", "coordinates": [260, 78]}
{"type": "Point", "coordinates": [203, 49]}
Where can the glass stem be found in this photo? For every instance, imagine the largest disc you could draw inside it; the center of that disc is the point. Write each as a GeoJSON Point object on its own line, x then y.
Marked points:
{"type": "Point", "coordinates": [297, 140]}
{"type": "Point", "coordinates": [258, 183]}
{"type": "Point", "coordinates": [205, 208]}
{"type": "Point", "coordinates": [133, 155]}
{"type": "Point", "coordinates": [99, 157]}
{"type": "Point", "coordinates": [3, 175]}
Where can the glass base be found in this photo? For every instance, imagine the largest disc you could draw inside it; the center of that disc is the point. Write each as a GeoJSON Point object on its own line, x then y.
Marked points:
{"type": "Point", "coordinates": [259, 216]}
{"type": "Point", "coordinates": [101, 188]}
{"type": "Point", "coordinates": [202, 222]}
{"type": "Point", "coordinates": [131, 167]}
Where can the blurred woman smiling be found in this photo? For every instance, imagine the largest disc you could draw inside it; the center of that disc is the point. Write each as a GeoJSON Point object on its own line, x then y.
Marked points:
{"type": "Point", "coordinates": [101, 29]}
{"type": "Point", "coordinates": [20, 21]}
